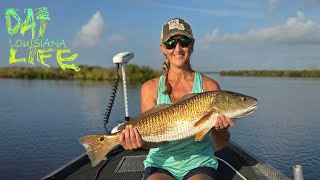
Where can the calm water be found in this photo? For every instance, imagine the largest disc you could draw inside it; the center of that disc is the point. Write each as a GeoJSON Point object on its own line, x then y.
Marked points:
{"type": "Point", "coordinates": [41, 121]}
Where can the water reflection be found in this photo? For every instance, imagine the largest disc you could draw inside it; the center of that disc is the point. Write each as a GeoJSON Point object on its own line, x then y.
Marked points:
{"type": "Point", "coordinates": [41, 121]}
{"type": "Point", "coordinates": [283, 131]}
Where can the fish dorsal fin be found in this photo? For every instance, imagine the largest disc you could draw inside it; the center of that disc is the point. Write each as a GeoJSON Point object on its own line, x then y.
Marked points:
{"type": "Point", "coordinates": [143, 115]}
{"type": "Point", "coordinates": [153, 110]}
{"type": "Point", "coordinates": [187, 96]}
{"type": "Point", "coordinates": [202, 134]}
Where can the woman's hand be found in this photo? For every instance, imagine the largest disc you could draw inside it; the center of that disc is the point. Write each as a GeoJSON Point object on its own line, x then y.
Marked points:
{"type": "Point", "coordinates": [130, 138]}
{"type": "Point", "coordinates": [223, 123]}
{"type": "Point", "coordinates": [220, 135]}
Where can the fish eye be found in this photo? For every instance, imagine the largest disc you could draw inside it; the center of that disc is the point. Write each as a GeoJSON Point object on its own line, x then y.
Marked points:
{"type": "Point", "coordinates": [101, 138]}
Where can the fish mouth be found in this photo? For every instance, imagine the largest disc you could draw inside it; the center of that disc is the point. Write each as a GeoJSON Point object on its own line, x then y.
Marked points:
{"type": "Point", "coordinates": [248, 111]}
{"type": "Point", "coordinates": [251, 109]}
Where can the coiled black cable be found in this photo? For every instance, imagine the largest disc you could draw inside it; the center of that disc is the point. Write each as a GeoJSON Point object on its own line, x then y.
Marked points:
{"type": "Point", "coordinates": [111, 100]}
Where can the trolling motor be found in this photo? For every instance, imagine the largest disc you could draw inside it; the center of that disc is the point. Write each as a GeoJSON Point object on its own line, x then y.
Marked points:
{"type": "Point", "coordinates": [120, 59]}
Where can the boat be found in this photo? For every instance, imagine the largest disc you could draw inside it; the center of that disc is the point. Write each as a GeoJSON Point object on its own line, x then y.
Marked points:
{"type": "Point", "coordinates": [234, 161]}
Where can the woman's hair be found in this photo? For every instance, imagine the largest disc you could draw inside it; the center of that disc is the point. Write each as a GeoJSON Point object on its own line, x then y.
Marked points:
{"type": "Point", "coordinates": [167, 86]}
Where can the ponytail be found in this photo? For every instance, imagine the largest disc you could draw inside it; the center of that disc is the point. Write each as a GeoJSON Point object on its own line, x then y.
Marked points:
{"type": "Point", "coordinates": [167, 87]}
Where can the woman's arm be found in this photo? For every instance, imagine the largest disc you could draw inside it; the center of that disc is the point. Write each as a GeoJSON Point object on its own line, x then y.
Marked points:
{"type": "Point", "coordinates": [220, 139]}
{"type": "Point", "coordinates": [130, 137]}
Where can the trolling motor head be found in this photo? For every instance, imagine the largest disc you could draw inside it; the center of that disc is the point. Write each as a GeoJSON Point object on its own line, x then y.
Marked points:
{"type": "Point", "coordinates": [123, 57]}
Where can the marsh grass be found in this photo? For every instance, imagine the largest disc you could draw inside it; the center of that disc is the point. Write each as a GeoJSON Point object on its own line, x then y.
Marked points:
{"type": "Point", "coordinates": [273, 73]}
{"type": "Point", "coordinates": [135, 74]}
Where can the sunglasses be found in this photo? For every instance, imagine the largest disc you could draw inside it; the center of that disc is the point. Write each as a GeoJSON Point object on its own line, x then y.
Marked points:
{"type": "Point", "coordinates": [171, 43]}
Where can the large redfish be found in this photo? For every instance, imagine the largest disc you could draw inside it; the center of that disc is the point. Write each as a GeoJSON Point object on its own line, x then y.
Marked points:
{"type": "Point", "coordinates": [193, 115]}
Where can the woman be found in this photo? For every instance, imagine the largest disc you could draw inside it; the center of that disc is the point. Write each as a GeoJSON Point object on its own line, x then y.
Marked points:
{"type": "Point", "coordinates": [184, 159]}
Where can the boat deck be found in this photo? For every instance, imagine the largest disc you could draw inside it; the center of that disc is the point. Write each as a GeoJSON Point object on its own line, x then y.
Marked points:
{"type": "Point", "coordinates": [126, 165]}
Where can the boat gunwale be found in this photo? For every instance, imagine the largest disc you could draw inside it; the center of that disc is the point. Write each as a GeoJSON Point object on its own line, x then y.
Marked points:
{"type": "Point", "coordinates": [258, 165]}
{"type": "Point", "coordinates": [68, 164]}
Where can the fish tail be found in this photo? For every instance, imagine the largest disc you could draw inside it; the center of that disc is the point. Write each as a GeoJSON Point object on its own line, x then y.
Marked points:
{"type": "Point", "coordinates": [98, 146]}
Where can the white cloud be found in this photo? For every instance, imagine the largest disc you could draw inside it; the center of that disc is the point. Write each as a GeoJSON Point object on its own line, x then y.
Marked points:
{"type": "Point", "coordinates": [272, 4]}
{"type": "Point", "coordinates": [90, 33]}
{"type": "Point", "coordinates": [296, 30]}
{"type": "Point", "coordinates": [116, 38]}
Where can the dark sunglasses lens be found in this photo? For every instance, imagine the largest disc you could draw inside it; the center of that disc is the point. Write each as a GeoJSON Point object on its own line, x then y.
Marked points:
{"type": "Point", "coordinates": [185, 42]}
{"type": "Point", "coordinates": [170, 44]}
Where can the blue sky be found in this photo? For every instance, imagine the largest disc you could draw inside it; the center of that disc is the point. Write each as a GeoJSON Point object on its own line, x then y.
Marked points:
{"type": "Point", "coordinates": [230, 35]}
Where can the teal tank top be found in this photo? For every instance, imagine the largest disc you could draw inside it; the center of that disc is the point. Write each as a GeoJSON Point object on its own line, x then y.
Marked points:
{"type": "Point", "coordinates": [179, 157]}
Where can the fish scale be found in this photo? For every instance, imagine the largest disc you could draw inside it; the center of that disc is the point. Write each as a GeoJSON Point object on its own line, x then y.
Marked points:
{"type": "Point", "coordinates": [166, 125]}
{"type": "Point", "coordinates": [193, 115]}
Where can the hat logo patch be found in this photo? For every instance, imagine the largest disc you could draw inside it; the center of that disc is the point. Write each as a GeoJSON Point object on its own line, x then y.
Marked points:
{"type": "Point", "coordinates": [175, 24]}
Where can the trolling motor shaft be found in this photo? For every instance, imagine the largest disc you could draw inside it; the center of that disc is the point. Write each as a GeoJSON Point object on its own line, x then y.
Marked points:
{"type": "Point", "coordinates": [122, 59]}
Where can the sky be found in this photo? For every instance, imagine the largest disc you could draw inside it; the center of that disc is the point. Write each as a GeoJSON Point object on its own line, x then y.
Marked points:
{"type": "Point", "coordinates": [229, 34]}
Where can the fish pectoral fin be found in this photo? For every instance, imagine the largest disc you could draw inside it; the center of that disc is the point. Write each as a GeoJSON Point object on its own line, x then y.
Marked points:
{"type": "Point", "coordinates": [202, 134]}
{"type": "Point", "coordinates": [203, 119]}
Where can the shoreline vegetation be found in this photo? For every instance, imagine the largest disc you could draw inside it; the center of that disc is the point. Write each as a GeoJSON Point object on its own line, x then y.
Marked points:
{"type": "Point", "coordinates": [314, 73]}
{"type": "Point", "coordinates": [136, 74]}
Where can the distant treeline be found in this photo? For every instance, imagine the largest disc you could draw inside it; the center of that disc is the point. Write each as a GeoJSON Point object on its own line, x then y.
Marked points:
{"type": "Point", "coordinates": [273, 73]}
{"type": "Point", "coordinates": [135, 74]}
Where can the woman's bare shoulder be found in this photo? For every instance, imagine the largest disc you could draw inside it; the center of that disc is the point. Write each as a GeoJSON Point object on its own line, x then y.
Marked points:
{"type": "Point", "coordinates": [149, 93]}
{"type": "Point", "coordinates": [209, 84]}
{"type": "Point", "coordinates": [150, 85]}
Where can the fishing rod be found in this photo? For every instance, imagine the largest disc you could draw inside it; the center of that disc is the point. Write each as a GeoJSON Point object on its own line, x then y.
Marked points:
{"type": "Point", "coordinates": [121, 60]}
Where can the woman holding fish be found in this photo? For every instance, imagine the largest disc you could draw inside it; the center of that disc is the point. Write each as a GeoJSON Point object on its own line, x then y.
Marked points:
{"type": "Point", "coordinates": [187, 158]}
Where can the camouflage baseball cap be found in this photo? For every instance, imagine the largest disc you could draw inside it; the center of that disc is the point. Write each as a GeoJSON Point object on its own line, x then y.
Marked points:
{"type": "Point", "coordinates": [174, 27]}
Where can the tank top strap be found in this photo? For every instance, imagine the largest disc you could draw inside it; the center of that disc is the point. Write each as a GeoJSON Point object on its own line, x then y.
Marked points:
{"type": "Point", "coordinates": [165, 98]}
{"type": "Point", "coordinates": [162, 98]}
{"type": "Point", "coordinates": [197, 83]}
